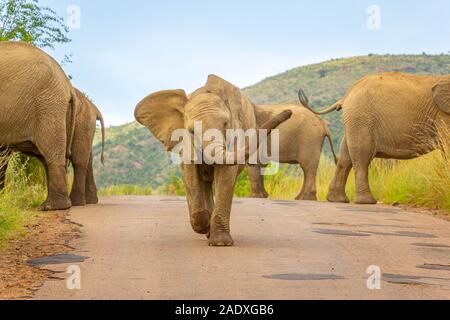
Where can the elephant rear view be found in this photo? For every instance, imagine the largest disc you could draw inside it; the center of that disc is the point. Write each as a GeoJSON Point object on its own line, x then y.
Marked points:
{"type": "Point", "coordinates": [37, 111]}
{"type": "Point", "coordinates": [392, 116]}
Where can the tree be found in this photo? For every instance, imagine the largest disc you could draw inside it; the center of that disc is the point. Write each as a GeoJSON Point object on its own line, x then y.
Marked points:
{"type": "Point", "coordinates": [28, 21]}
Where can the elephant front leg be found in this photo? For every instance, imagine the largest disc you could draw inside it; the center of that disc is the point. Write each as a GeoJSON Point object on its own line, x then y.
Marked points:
{"type": "Point", "coordinates": [225, 178]}
{"type": "Point", "coordinates": [199, 197]}
{"type": "Point", "coordinates": [257, 182]}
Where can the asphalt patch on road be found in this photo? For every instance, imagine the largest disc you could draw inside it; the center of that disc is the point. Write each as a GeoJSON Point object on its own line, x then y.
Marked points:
{"type": "Point", "coordinates": [286, 203]}
{"type": "Point", "coordinates": [444, 267]}
{"type": "Point", "coordinates": [173, 200]}
{"type": "Point", "coordinates": [369, 210]}
{"type": "Point", "coordinates": [431, 245]}
{"type": "Point", "coordinates": [303, 277]}
{"type": "Point", "coordinates": [56, 259]}
{"type": "Point", "coordinates": [401, 279]}
{"type": "Point", "coordinates": [345, 233]}
{"type": "Point", "coordinates": [411, 280]}
{"type": "Point", "coordinates": [407, 234]}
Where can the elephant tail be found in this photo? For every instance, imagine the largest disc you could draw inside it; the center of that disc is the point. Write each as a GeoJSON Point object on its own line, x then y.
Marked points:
{"type": "Point", "coordinates": [102, 123]}
{"type": "Point", "coordinates": [330, 140]}
{"type": "Point", "coordinates": [73, 106]}
{"type": "Point", "coordinates": [305, 102]}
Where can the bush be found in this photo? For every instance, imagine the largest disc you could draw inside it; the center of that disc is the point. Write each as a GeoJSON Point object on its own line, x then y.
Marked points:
{"type": "Point", "coordinates": [23, 192]}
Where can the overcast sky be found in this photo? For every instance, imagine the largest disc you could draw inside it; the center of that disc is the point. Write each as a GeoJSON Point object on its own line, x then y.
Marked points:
{"type": "Point", "coordinates": [125, 50]}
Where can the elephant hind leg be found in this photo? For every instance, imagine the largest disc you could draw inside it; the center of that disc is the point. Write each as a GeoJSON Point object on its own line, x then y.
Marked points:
{"type": "Point", "coordinates": [80, 165]}
{"type": "Point", "coordinates": [362, 155]}
{"type": "Point", "coordinates": [310, 165]}
{"type": "Point", "coordinates": [336, 192]}
{"type": "Point", "coordinates": [53, 153]}
{"type": "Point", "coordinates": [257, 182]}
{"type": "Point", "coordinates": [91, 187]}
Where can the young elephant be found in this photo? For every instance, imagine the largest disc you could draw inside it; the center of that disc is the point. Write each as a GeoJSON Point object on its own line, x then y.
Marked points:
{"type": "Point", "coordinates": [37, 108]}
{"type": "Point", "coordinates": [218, 106]}
{"type": "Point", "coordinates": [84, 190]}
{"type": "Point", "coordinates": [301, 141]}
{"type": "Point", "coordinates": [388, 115]}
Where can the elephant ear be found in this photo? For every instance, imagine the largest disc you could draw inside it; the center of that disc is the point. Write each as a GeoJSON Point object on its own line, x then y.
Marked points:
{"type": "Point", "coordinates": [230, 94]}
{"type": "Point", "coordinates": [162, 113]}
{"type": "Point", "coordinates": [441, 95]}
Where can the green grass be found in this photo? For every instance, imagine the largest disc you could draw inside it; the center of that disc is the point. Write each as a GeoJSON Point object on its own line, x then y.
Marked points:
{"type": "Point", "coordinates": [423, 182]}
{"type": "Point", "coordinates": [127, 190]}
{"type": "Point", "coordinates": [22, 194]}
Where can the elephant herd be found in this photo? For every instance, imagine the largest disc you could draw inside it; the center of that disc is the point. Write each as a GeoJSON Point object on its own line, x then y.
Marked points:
{"type": "Point", "coordinates": [388, 115]}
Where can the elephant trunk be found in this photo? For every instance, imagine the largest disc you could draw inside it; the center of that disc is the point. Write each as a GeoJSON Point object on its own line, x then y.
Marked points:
{"type": "Point", "coordinates": [242, 156]}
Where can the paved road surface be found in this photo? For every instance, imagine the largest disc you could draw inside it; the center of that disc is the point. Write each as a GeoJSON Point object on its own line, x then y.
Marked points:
{"type": "Point", "coordinates": [143, 248]}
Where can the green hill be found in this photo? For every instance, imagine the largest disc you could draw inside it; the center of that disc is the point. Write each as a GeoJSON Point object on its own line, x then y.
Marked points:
{"type": "Point", "coordinates": [133, 156]}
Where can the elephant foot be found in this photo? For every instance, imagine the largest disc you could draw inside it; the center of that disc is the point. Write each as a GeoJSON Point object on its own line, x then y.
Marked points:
{"type": "Point", "coordinates": [54, 205]}
{"type": "Point", "coordinates": [201, 222]}
{"type": "Point", "coordinates": [220, 239]}
{"type": "Point", "coordinates": [262, 195]}
{"type": "Point", "coordinates": [338, 197]}
{"type": "Point", "coordinates": [91, 200]}
{"type": "Point", "coordinates": [307, 197]}
{"type": "Point", "coordinates": [78, 201]}
{"type": "Point", "coordinates": [365, 198]}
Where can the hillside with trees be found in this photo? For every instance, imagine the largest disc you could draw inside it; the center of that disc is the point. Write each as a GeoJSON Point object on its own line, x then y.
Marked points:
{"type": "Point", "coordinates": [135, 157]}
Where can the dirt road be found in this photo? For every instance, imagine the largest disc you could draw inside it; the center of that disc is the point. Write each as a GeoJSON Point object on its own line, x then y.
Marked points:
{"type": "Point", "coordinates": [143, 248]}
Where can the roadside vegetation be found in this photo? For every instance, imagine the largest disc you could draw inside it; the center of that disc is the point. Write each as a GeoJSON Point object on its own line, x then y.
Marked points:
{"type": "Point", "coordinates": [23, 192]}
{"type": "Point", "coordinates": [423, 182]}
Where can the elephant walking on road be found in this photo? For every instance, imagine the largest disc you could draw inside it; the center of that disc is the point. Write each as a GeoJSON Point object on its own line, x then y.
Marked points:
{"type": "Point", "coordinates": [301, 141]}
{"type": "Point", "coordinates": [218, 106]}
{"type": "Point", "coordinates": [388, 115]}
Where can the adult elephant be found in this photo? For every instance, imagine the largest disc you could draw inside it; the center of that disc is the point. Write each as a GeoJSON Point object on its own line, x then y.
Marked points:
{"type": "Point", "coordinates": [84, 189]}
{"type": "Point", "coordinates": [301, 141]}
{"type": "Point", "coordinates": [38, 106]}
{"type": "Point", "coordinates": [388, 115]}
{"type": "Point", "coordinates": [219, 105]}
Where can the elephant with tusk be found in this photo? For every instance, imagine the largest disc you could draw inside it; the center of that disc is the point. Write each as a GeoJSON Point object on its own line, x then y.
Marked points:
{"type": "Point", "coordinates": [388, 115]}
{"type": "Point", "coordinates": [218, 106]}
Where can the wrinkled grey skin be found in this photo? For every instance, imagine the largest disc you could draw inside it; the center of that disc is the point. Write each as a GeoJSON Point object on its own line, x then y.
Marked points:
{"type": "Point", "coordinates": [37, 108]}
{"type": "Point", "coordinates": [218, 105]}
{"type": "Point", "coordinates": [84, 190]}
{"type": "Point", "coordinates": [301, 141]}
{"type": "Point", "coordinates": [391, 116]}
